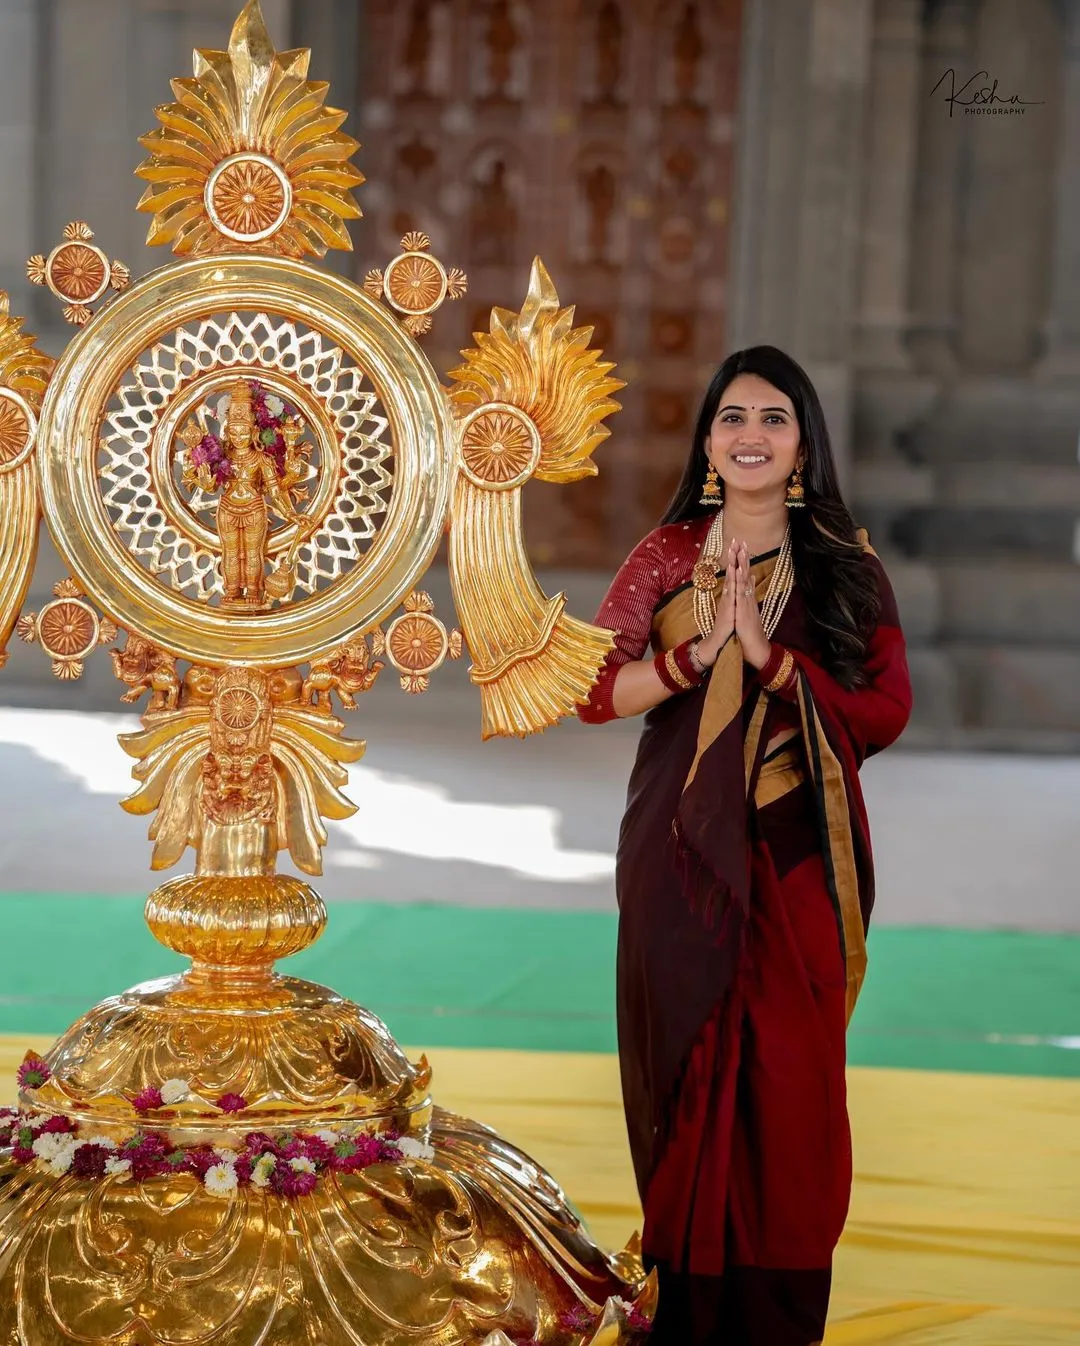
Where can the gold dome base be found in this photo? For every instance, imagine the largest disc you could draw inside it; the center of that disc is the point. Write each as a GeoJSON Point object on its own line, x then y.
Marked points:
{"type": "Point", "coordinates": [477, 1244]}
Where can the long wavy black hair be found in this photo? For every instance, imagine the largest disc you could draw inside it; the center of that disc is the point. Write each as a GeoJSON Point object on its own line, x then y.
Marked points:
{"type": "Point", "coordinates": [842, 599]}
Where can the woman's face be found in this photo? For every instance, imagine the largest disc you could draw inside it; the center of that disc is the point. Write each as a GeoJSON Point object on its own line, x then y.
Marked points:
{"type": "Point", "coordinates": [754, 440]}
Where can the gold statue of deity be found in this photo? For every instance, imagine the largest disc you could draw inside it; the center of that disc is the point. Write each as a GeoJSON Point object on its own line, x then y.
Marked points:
{"type": "Point", "coordinates": [247, 480]}
{"type": "Point", "coordinates": [232, 1154]}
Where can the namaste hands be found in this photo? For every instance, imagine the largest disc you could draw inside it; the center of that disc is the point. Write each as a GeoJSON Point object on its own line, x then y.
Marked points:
{"type": "Point", "coordinates": [737, 613]}
{"type": "Point", "coordinates": [755, 643]}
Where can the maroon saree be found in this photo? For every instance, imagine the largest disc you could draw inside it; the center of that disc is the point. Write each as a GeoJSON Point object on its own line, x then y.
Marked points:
{"type": "Point", "coordinates": [745, 885]}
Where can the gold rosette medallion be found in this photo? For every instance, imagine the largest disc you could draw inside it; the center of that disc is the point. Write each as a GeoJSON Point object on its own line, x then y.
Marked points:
{"type": "Point", "coordinates": [248, 465]}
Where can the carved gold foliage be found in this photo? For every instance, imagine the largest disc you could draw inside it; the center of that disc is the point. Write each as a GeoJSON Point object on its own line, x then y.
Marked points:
{"type": "Point", "coordinates": [304, 774]}
{"type": "Point", "coordinates": [249, 155]}
{"type": "Point", "coordinates": [23, 368]}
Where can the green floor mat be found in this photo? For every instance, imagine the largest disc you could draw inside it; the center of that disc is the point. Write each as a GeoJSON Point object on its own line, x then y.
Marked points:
{"type": "Point", "coordinates": [989, 1001]}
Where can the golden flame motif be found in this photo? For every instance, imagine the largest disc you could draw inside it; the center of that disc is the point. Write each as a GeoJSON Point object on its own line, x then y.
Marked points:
{"type": "Point", "coordinates": [250, 101]}
{"type": "Point", "coordinates": [535, 663]}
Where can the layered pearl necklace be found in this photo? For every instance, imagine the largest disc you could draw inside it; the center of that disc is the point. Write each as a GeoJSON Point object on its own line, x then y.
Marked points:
{"type": "Point", "coordinates": [707, 582]}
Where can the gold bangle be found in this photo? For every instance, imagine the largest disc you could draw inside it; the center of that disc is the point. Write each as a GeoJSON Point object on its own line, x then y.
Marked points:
{"type": "Point", "coordinates": [677, 675]}
{"type": "Point", "coordinates": [787, 667]}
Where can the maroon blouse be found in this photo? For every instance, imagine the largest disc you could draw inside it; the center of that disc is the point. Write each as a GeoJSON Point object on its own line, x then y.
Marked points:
{"type": "Point", "coordinates": [659, 565]}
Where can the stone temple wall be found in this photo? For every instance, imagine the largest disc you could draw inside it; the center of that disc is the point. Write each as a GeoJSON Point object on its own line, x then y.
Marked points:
{"type": "Point", "coordinates": [697, 176]}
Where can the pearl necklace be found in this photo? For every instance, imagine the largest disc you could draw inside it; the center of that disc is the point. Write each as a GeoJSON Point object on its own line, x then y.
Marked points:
{"type": "Point", "coordinates": [707, 582]}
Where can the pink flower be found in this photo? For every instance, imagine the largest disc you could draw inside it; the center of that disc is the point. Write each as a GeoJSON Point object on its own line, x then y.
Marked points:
{"type": "Point", "coordinates": [34, 1071]}
{"type": "Point", "coordinates": [147, 1154]}
{"type": "Point", "coordinates": [201, 1160]}
{"type": "Point", "coordinates": [308, 1147]}
{"type": "Point", "coordinates": [577, 1319]}
{"type": "Point", "coordinates": [291, 1184]}
{"type": "Point", "coordinates": [636, 1321]}
{"type": "Point", "coordinates": [56, 1126]}
{"type": "Point", "coordinates": [148, 1100]}
{"type": "Point", "coordinates": [258, 1142]}
{"type": "Point", "coordinates": [232, 1102]}
{"type": "Point", "coordinates": [22, 1154]}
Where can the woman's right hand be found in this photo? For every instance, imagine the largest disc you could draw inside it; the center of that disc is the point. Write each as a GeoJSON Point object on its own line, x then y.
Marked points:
{"type": "Point", "coordinates": [708, 648]}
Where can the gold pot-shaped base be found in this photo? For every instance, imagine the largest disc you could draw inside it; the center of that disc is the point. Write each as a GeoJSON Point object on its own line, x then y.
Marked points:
{"type": "Point", "coordinates": [475, 1245]}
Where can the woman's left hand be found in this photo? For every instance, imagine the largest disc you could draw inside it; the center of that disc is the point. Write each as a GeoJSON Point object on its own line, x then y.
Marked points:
{"type": "Point", "coordinates": [755, 643]}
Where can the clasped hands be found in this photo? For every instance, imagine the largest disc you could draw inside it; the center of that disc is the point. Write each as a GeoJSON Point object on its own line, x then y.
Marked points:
{"type": "Point", "coordinates": [737, 613]}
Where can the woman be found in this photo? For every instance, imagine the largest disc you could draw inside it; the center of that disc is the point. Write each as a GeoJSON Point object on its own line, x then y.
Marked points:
{"type": "Point", "coordinates": [758, 631]}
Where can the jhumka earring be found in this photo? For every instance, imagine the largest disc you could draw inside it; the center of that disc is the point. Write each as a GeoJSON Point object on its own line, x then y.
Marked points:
{"type": "Point", "coordinates": [712, 493]}
{"type": "Point", "coordinates": [796, 496]}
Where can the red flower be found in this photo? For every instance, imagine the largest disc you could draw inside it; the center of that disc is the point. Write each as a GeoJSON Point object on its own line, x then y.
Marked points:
{"type": "Point", "coordinates": [232, 1102]}
{"type": "Point", "coordinates": [200, 1160]}
{"type": "Point", "coordinates": [148, 1100]}
{"type": "Point", "coordinates": [56, 1126]}
{"type": "Point", "coordinates": [286, 1182]}
{"type": "Point", "coordinates": [307, 1147]}
{"type": "Point", "coordinates": [22, 1154]}
{"type": "Point", "coordinates": [89, 1161]}
{"type": "Point", "coordinates": [34, 1071]}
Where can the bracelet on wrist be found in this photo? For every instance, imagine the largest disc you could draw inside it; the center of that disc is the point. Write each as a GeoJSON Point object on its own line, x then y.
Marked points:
{"type": "Point", "coordinates": [778, 672]}
{"type": "Point", "coordinates": [675, 669]}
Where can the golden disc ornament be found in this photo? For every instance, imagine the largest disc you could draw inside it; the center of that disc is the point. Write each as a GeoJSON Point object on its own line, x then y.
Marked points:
{"type": "Point", "coordinates": [345, 326]}
{"type": "Point", "coordinates": [18, 428]}
{"type": "Point", "coordinates": [248, 197]}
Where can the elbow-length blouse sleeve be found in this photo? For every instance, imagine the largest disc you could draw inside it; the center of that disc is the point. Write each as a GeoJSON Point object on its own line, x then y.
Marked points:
{"type": "Point", "coordinates": [627, 610]}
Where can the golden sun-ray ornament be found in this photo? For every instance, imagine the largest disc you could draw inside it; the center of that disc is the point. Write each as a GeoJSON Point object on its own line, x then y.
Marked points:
{"type": "Point", "coordinates": [248, 465]}
{"type": "Point", "coordinates": [249, 156]}
{"type": "Point", "coordinates": [532, 397]}
{"type": "Point", "coordinates": [24, 376]}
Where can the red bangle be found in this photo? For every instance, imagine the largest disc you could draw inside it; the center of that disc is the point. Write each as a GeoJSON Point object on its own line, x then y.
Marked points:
{"type": "Point", "coordinates": [674, 669]}
{"type": "Point", "coordinates": [778, 673]}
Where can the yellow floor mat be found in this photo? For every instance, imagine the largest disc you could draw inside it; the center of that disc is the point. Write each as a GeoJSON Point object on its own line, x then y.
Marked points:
{"type": "Point", "coordinates": [965, 1218]}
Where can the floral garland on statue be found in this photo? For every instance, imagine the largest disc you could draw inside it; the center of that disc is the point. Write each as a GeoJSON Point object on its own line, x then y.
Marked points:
{"type": "Point", "coordinates": [271, 412]}
{"type": "Point", "coordinates": [288, 1164]}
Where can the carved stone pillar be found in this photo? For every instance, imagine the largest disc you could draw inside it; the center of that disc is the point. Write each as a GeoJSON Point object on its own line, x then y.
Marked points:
{"type": "Point", "coordinates": [936, 226]}
{"type": "Point", "coordinates": [1061, 331]}
{"type": "Point", "coordinates": [889, 175]}
{"type": "Point", "coordinates": [806, 68]}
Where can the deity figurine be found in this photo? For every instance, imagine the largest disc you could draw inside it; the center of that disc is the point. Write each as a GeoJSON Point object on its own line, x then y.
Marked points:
{"type": "Point", "coordinates": [248, 480]}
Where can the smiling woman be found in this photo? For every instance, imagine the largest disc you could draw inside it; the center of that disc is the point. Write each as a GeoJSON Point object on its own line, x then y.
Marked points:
{"type": "Point", "coordinates": [762, 640]}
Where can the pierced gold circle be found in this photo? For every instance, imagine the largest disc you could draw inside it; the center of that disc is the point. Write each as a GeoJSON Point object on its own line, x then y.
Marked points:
{"type": "Point", "coordinates": [248, 197]}
{"type": "Point", "coordinates": [18, 428]}
{"type": "Point", "coordinates": [97, 362]}
{"type": "Point", "coordinates": [500, 446]}
{"type": "Point", "coordinates": [415, 283]}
